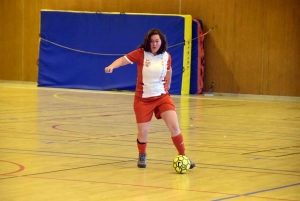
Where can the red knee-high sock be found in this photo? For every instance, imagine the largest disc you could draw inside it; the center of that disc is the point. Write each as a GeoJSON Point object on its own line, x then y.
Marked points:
{"type": "Point", "coordinates": [141, 146]}
{"type": "Point", "coordinates": [179, 144]}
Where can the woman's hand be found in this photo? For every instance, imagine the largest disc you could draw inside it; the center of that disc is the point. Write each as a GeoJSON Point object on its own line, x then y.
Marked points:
{"type": "Point", "coordinates": [108, 69]}
{"type": "Point", "coordinates": [116, 64]}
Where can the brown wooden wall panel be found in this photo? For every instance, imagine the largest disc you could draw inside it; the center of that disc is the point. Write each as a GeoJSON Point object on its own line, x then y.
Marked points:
{"type": "Point", "coordinates": [75, 5]}
{"type": "Point", "coordinates": [253, 49]}
{"type": "Point", "coordinates": [145, 6]}
{"type": "Point", "coordinates": [248, 46]}
{"type": "Point", "coordinates": [218, 43]}
{"type": "Point", "coordinates": [11, 38]}
{"type": "Point", "coordinates": [31, 39]}
{"type": "Point", "coordinates": [282, 48]}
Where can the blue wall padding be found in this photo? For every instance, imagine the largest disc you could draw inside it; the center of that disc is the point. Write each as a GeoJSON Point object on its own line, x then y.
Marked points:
{"type": "Point", "coordinates": [101, 34]}
{"type": "Point", "coordinates": [195, 59]}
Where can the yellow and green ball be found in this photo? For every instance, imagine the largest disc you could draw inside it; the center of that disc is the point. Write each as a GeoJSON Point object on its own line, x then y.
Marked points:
{"type": "Point", "coordinates": [181, 164]}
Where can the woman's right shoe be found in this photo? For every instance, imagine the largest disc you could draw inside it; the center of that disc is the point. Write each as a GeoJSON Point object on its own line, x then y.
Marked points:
{"type": "Point", "coordinates": [192, 164]}
{"type": "Point", "coordinates": [142, 161]}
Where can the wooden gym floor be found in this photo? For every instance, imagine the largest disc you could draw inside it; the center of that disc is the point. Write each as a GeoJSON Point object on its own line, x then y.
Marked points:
{"type": "Point", "coordinates": [63, 144]}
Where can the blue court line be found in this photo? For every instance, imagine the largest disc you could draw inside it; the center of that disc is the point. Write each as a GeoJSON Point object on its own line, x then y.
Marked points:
{"type": "Point", "coordinates": [245, 167]}
{"type": "Point", "coordinates": [205, 164]}
{"type": "Point", "coordinates": [256, 192]}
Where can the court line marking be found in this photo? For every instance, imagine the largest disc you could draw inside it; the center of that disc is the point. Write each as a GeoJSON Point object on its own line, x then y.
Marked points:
{"type": "Point", "coordinates": [129, 158]}
{"type": "Point", "coordinates": [222, 98]}
{"type": "Point", "coordinates": [191, 96]}
{"type": "Point", "coordinates": [231, 197]}
{"type": "Point", "coordinates": [259, 191]}
{"type": "Point", "coordinates": [148, 186]}
{"type": "Point", "coordinates": [109, 140]}
{"type": "Point", "coordinates": [251, 168]}
{"type": "Point", "coordinates": [86, 140]}
{"type": "Point", "coordinates": [133, 185]}
{"type": "Point", "coordinates": [60, 170]}
{"type": "Point", "coordinates": [155, 161]}
{"type": "Point", "coordinates": [21, 167]}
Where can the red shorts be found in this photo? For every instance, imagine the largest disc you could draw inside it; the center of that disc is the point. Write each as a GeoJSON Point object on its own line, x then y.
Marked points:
{"type": "Point", "coordinates": [145, 107]}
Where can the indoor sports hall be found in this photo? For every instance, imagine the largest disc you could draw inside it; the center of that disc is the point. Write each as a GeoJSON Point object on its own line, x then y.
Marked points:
{"type": "Point", "coordinates": [68, 130]}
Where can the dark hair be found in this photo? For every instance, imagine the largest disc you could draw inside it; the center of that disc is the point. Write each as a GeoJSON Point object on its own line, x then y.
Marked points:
{"type": "Point", "coordinates": [146, 44]}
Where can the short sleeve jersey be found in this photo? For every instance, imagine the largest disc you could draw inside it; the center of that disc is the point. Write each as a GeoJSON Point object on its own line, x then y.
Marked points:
{"type": "Point", "coordinates": [152, 70]}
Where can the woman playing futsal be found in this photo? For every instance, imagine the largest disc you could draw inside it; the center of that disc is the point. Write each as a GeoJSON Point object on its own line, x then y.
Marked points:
{"type": "Point", "coordinates": [151, 95]}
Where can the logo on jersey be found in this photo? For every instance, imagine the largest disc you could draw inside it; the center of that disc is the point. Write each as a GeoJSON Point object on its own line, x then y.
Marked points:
{"type": "Point", "coordinates": [147, 63]}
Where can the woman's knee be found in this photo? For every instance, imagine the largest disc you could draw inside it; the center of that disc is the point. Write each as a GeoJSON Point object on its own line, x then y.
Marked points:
{"type": "Point", "coordinates": [143, 129]}
{"type": "Point", "coordinates": [143, 132]}
{"type": "Point", "coordinates": [174, 129]}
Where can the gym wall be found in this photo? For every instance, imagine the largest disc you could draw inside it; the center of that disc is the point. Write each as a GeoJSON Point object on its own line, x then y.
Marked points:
{"type": "Point", "coordinates": [253, 49]}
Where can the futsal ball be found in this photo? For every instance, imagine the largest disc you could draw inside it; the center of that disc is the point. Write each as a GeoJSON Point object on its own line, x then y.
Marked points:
{"type": "Point", "coordinates": [181, 164]}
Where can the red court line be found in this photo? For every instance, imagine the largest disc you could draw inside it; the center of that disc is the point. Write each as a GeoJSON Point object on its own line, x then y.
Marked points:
{"type": "Point", "coordinates": [132, 185]}
{"type": "Point", "coordinates": [155, 187]}
{"type": "Point", "coordinates": [21, 167]}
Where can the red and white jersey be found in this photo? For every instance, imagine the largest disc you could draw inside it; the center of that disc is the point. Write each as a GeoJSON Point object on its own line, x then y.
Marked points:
{"type": "Point", "coordinates": [152, 70]}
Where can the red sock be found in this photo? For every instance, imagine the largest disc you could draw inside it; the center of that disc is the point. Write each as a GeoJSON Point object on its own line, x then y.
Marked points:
{"type": "Point", "coordinates": [179, 144]}
{"type": "Point", "coordinates": [141, 146]}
